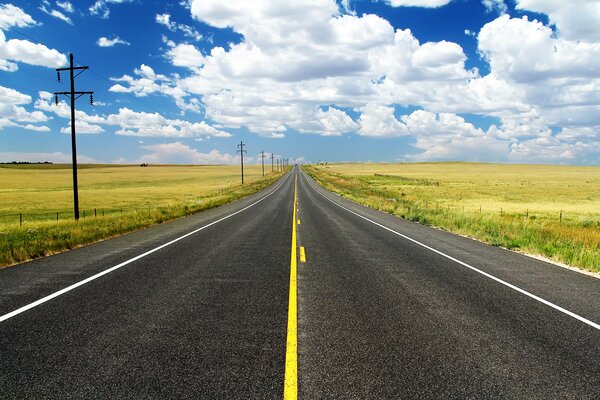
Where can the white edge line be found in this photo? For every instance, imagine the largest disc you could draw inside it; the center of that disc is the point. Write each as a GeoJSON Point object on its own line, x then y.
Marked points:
{"type": "Point", "coordinates": [98, 275]}
{"type": "Point", "coordinates": [518, 289]}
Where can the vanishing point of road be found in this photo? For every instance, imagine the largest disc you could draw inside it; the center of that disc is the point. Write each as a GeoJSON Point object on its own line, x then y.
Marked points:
{"type": "Point", "coordinates": [292, 293]}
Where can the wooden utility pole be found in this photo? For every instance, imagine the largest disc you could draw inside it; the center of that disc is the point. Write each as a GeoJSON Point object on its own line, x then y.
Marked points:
{"type": "Point", "coordinates": [73, 95]}
{"type": "Point", "coordinates": [241, 152]}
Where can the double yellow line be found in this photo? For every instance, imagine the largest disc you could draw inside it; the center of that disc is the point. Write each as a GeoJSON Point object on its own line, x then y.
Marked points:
{"type": "Point", "coordinates": [290, 384]}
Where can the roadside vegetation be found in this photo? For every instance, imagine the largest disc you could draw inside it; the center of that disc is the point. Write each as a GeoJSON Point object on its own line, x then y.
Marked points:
{"type": "Point", "coordinates": [114, 199]}
{"type": "Point", "coordinates": [552, 211]}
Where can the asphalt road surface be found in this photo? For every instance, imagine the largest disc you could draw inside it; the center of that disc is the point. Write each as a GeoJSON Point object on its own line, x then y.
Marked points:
{"type": "Point", "coordinates": [299, 288]}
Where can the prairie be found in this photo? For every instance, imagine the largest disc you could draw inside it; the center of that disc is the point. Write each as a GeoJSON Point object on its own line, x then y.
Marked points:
{"type": "Point", "coordinates": [114, 199]}
{"type": "Point", "coordinates": [548, 210]}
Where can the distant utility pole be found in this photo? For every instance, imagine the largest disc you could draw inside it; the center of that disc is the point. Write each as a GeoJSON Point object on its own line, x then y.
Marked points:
{"type": "Point", "coordinates": [272, 161]}
{"type": "Point", "coordinates": [241, 152]}
{"type": "Point", "coordinates": [262, 159]}
{"type": "Point", "coordinates": [73, 95]}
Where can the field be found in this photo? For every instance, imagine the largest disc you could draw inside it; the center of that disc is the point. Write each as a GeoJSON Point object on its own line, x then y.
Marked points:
{"type": "Point", "coordinates": [114, 199]}
{"type": "Point", "coordinates": [553, 211]}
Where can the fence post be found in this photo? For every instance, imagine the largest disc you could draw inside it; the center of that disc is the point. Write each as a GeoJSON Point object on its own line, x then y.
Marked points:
{"type": "Point", "coordinates": [103, 212]}
{"type": "Point", "coordinates": [527, 214]}
{"type": "Point", "coordinates": [83, 214]}
{"type": "Point", "coordinates": [95, 214]}
{"type": "Point", "coordinates": [56, 217]}
{"type": "Point", "coordinates": [560, 218]}
{"type": "Point", "coordinates": [20, 219]}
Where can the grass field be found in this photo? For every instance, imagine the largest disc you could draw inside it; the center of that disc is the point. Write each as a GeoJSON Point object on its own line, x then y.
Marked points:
{"type": "Point", "coordinates": [124, 198]}
{"type": "Point", "coordinates": [552, 211]}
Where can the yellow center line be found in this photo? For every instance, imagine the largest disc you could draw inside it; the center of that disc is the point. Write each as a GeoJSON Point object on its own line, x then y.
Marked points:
{"type": "Point", "coordinates": [302, 254]}
{"type": "Point", "coordinates": [290, 384]}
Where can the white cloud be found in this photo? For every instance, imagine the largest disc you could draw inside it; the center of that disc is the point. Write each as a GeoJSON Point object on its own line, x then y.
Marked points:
{"type": "Point", "coordinates": [27, 52]}
{"type": "Point", "coordinates": [188, 31]}
{"type": "Point", "coordinates": [185, 55]}
{"type": "Point", "coordinates": [66, 6]}
{"type": "Point", "coordinates": [130, 122]}
{"type": "Point", "coordinates": [575, 19]}
{"type": "Point", "coordinates": [418, 3]}
{"type": "Point", "coordinates": [83, 127]}
{"type": "Point", "coordinates": [330, 122]}
{"type": "Point", "coordinates": [105, 42]}
{"type": "Point", "coordinates": [495, 5]}
{"type": "Point", "coordinates": [100, 7]}
{"type": "Point", "coordinates": [11, 15]}
{"type": "Point", "coordinates": [54, 13]}
{"type": "Point", "coordinates": [379, 121]}
{"type": "Point", "coordinates": [13, 114]}
{"type": "Point", "coordinates": [56, 157]}
{"type": "Point", "coordinates": [179, 153]}
{"type": "Point", "coordinates": [297, 58]}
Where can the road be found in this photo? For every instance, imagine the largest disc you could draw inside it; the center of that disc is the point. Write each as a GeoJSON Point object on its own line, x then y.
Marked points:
{"type": "Point", "coordinates": [299, 288]}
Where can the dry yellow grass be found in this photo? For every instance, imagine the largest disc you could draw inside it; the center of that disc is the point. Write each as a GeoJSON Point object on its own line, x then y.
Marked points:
{"type": "Point", "coordinates": [126, 197]}
{"type": "Point", "coordinates": [521, 205]}
{"type": "Point", "coordinates": [40, 191]}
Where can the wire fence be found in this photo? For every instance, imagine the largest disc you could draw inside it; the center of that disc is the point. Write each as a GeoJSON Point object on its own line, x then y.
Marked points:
{"type": "Point", "coordinates": [23, 218]}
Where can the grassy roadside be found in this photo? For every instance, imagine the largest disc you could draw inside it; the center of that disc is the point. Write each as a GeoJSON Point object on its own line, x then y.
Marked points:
{"type": "Point", "coordinates": [41, 238]}
{"type": "Point", "coordinates": [574, 242]}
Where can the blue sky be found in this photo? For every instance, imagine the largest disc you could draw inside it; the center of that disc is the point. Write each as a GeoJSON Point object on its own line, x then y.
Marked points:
{"type": "Point", "coordinates": [397, 80]}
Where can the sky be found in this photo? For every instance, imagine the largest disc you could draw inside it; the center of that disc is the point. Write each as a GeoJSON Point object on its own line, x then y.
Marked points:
{"type": "Point", "coordinates": [184, 81]}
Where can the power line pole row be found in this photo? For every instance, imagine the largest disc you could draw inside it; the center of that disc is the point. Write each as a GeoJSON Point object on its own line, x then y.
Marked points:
{"type": "Point", "coordinates": [281, 162]}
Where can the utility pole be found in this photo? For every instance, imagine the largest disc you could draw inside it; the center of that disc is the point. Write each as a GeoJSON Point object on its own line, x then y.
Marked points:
{"type": "Point", "coordinates": [262, 159]}
{"type": "Point", "coordinates": [272, 161]}
{"type": "Point", "coordinates": [73, 95]}
{"type": "Point", "coordinates": [241, 152]}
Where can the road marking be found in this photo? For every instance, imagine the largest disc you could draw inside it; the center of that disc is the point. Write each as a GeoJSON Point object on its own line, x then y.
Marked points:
{"type": "Point", "coordinates": [302, 254]}
{"type": "Point", "coordinates": [98, 275]}
{"type": "Point", "coordinates": [464, 264]}
{"type": "Point", "coordinates": [290, 384]}
{"type": "Point", "coordinates": [298, 221]}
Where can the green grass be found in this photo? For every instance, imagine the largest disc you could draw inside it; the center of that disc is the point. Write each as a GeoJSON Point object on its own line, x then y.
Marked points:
{"type": "Point", "coordinates": [514, 206]}
{"type": "Point", "coordinates": [126, 198]}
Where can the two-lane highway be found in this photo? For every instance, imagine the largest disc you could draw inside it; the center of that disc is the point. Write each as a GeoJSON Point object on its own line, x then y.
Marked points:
{"type": "Point", "coordinates": [296, 287]}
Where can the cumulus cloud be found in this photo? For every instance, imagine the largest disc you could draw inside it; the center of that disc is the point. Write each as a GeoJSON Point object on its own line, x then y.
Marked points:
{"type": "Point", "coordinates": [298, 59]}
{"type": "Point", "coordinates": [185, 55]}
{"type": "Point", "coordinates": [14, 114]}
{"type": "Point", "coordinates": [105, 42]}
{"type": "Point", "coordinates": [379, 121]}
{"type": "Point", "coordinates": [11, 15]}
{"type": "Point", "coordinates": [179, 153]}
{"type": "Point", "coordinates": [27, 52]}
{"type": "Point", "coordinates": [130, 122]}
{"type": "Point", "coordinates": [575, 19]}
